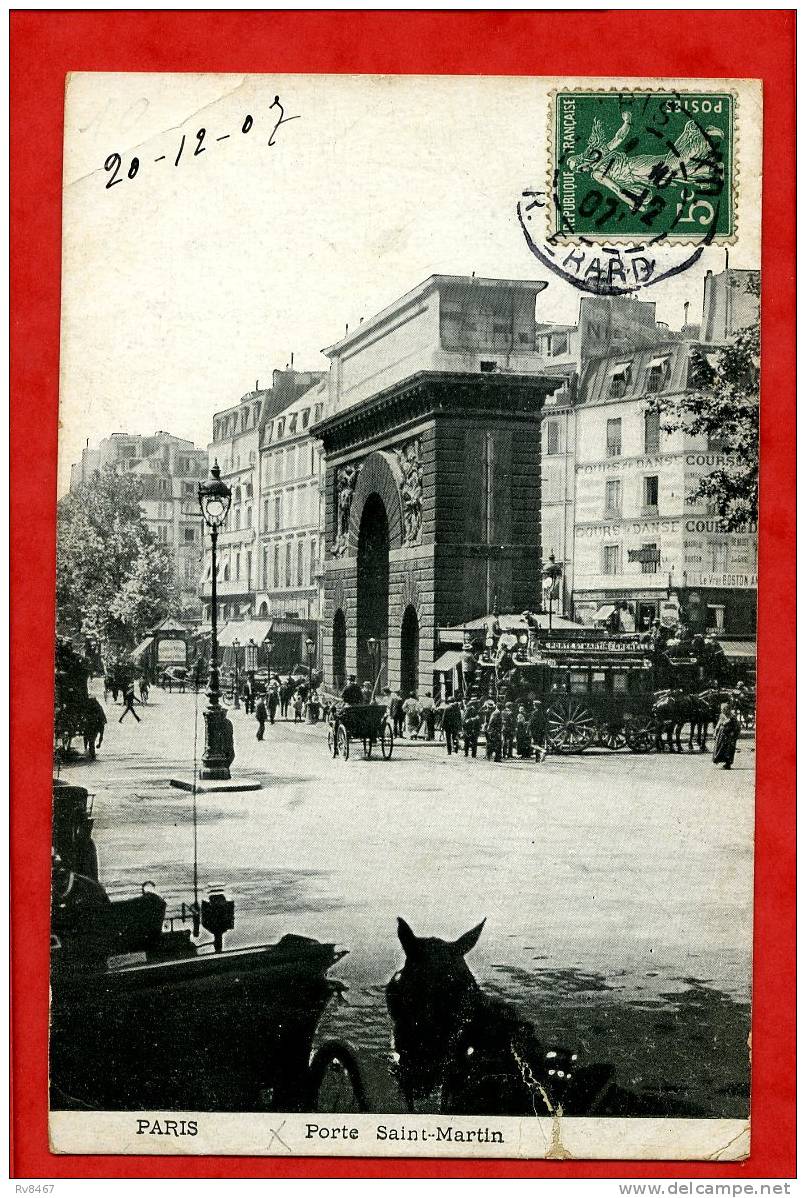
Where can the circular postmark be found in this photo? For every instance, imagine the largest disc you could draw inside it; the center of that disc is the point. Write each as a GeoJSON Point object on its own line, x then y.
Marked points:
{"type": "Point", "coordinates": [639, 184]}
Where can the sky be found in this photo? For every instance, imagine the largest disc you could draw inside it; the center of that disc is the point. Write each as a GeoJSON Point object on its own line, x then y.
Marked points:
{"type": "Point", "coordinates": [189, 282]}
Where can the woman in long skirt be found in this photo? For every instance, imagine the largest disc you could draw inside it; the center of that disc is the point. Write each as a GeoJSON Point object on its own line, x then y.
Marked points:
{"type": "Point", "coordinates": [726, 735]}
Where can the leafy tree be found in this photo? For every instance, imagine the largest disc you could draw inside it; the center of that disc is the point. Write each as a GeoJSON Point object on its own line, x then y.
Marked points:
{"type": "Point", "coordinates": [114, 579]}
{"type": "Point", "coordinates": [721, 402]}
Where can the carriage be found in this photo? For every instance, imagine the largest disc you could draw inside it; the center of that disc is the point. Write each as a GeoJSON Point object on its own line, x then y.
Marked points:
{"type": "Point", "coordinates": [602, 692]}
{"type": "Point", "coordinates": [367, 722]}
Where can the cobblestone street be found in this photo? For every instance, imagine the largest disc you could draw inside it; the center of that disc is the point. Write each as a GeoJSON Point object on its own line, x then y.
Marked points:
{"type": "Point", "coordinates": [617, 888]}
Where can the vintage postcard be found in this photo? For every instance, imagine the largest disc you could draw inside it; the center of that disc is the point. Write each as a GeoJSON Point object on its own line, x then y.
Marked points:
{"type": "Point", "coordinates": [404, 740]}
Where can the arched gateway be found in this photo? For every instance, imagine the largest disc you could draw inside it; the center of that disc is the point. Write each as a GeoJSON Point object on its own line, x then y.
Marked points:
{"type": "Point", "coordinates": [433, 513]}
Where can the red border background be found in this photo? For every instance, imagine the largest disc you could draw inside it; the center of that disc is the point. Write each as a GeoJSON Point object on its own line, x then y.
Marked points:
{"type": "Point", "coordinates": [44, 47]}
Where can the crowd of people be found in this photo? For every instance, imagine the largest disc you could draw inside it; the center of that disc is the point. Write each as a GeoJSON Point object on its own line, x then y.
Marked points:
{"type": "Point", "coordinates": [510, 729]}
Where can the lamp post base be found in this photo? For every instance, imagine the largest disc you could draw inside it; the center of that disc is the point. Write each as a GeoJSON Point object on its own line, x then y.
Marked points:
{"type": "Point", "coordinates": [219, 746]}
{"type": "Point", "coordinates": [214, 773]}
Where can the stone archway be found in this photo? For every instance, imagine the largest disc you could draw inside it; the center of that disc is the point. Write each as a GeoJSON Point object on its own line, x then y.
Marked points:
{"type": "Point", "coordinates": [372, 606]}
{"type": "Point", "coordinates": [409, 651]}
{"type": "Point", "coordinates": [339, 650]}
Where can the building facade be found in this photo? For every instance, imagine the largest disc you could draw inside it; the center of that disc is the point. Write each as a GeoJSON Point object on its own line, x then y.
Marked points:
{"type": "Point", "coordinates": [236, 445]}
{"type": "Point", "coordinates": [170, 470]}
{"type": "Point", "coordinates": [291, 519]}
{"type": "Point", "coordinates": [642, 551]}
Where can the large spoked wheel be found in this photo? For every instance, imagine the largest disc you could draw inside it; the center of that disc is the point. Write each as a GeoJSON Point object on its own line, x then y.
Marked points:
{"type": "Point", "coordinates": [571, 726]}
{"type": "Point", "coordinates": [331, 742]}
{"type": "Point", "coordinates": [335, 1080]}
{"type": "Point", "coordinates": [611, 736]}
{"type": "Point", "coordinates": [387, 742]}
{"type": "Point", "coordinates": [640, 736]}
{"type": "Point", "coordinates": [342, 743]}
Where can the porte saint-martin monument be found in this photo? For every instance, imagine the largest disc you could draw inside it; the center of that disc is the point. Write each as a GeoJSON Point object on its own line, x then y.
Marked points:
{"type": "Point", "coordinates": [432, 482]}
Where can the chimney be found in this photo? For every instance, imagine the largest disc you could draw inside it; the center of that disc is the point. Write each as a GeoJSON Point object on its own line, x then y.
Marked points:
{"type": "Point", "coordinates": [292, 359]}
{"type": "Point", "coordinates": [685, 314]}
{"type": "Point", "coordinates": [727, 257]}
{"type": "Point", "coordinates": [257, 384]}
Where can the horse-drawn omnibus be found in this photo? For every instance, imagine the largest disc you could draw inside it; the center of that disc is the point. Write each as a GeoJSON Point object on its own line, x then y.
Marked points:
{"type": "Point", "coordinates": [601, 691]}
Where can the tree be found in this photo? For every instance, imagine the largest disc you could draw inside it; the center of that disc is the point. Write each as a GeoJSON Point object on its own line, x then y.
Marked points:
{"type": "Point", "coordinates": [721, 403]}
{"type": "Point", "coordinates": [114, 579]}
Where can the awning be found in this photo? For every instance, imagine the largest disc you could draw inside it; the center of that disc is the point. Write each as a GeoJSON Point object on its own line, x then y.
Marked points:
{"type": "Point", "coordinates": [739, 648]}
{"type": "Point", "coordinates": [447, 661]}
{"type": "Point", "coordinates": [141, 649]}
{"type": "Point", "coordinates": [244, 631]}
{"type": "Point", "coordinates": [620, 368]}
{"type": "Point", "coordinates": [604, 613]}
{"type": "Point", "coordinates": [657, 362]}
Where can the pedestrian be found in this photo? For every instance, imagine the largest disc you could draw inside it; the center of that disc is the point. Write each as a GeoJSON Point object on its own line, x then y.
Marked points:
{"type": "Point", "coordinates": [352, 693]}
{"type": "Point", "coordinates": [273, 698]}
{"type": "Point", "coordinates": [106, 688]}
{"type": "Point", "coordinates": [411, 710]}
{"type": "Point", "coordinates": [93, 727]}
{"type": "Point", "coordinates": [537, 730]}
{"type": "Point", "coordinates": [523, 742]}
{"type": "Point", "coordinates": [494, 733]}
{"type": "Point", "coordinates": [469, 669]}
{"type": "Point", "coordinates": [726, 734]}
{"type": "Point", "coordinates": [366, 692]}
{"type": "Point", "coordinates": [143, 688]}
{"type": "Point", "coordinates": [286, 691]}
{"type": "Point", "coordinates": [471, 727]}
{"type": "Point", "coordinates": [261, 715]}
{"type": "Point", "coordinates": [507, 730]}
{"type": "Point", "coordinates": [299, 706]}
{"type": "Point", "coordinates": [396, 714]}
{"type": "Point", "coordinates": [128, 702]}
{"type": "Point", "coordinates": [451, 724]}
{"type": "Point", "coordinates": [114, 688]}
{"type": "Point", "coordinates": [248, 701]}
{"type": "Point", "coordinates": [428, 715]}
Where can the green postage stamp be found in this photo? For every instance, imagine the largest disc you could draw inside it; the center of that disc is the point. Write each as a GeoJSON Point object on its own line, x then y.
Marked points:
{"type": "Point", "coordinates": [648, 165]}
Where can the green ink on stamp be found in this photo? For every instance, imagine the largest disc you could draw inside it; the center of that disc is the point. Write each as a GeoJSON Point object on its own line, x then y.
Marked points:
{"type": "Point", "coordinates": [643, 165]}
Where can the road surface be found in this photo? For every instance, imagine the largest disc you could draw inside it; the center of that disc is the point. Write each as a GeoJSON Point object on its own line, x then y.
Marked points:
{"type": "Point", "coordinates": [617, 888]}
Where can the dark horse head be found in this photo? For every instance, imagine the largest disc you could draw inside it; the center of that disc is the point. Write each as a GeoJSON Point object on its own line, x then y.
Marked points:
{"type": "Point", "coordinates": [427, 999]}
{"type": "Point", "coordinates": [476, 1049]}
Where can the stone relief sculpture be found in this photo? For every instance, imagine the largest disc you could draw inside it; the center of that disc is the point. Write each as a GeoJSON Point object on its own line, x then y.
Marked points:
{"type": "Point", "coordinates": [411, 490]}
{"type": "Point", "coordinates": [346, 478]}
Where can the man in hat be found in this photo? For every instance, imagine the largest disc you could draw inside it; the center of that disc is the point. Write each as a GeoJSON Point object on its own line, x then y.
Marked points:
{"type": "Point", "coordinates": [452, 723]}
{"type": "Point", "coordinates": [471, 726]}
{"type": "Point", "coordinates": [493, 733]}
{"type": "Point", "coordinates": [352, 693]}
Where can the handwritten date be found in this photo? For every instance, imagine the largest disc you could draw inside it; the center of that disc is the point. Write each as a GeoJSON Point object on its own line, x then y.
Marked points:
{"type": "Point", "coordinates": [117, 172]}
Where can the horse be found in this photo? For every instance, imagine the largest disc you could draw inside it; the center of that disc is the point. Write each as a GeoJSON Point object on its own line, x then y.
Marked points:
{"type": "Point", "coordinates": [481, 1055]}
{"type": "Point", "coordinates": [672, 709]}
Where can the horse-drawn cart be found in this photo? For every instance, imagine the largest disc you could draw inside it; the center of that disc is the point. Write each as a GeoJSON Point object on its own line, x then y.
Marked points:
{"type": "Point", "coordinates": [367, 722]}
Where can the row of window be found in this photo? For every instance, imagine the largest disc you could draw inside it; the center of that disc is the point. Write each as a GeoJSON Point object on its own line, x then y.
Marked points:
{"type": "Point", "coordinates": [247, 416]}
{"type": "Point", "coordinates": [613, 493]}
{"type": "Point", "coordinates": [649, 558]}
{"type": "Point", "coordinates": [292, 508]}
{"type": "Point", "coordinates": [284, 563]}
{"type": "Point", "coordinates": [293, 424]}
{"type": "Point", "coordinates": [656, 377]}
{"type": "Point", "coordinates": [298, 461]}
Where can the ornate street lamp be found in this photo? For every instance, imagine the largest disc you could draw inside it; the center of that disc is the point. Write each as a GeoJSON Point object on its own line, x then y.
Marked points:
{"type": "Point", "coordinates": [214, 501]}
{"type": "Point", "coordinates": [250, 665]}
{"type": "Point", "coordinates": [236, 644]}
{"type": "Point", "coordinates": [552, 571]}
